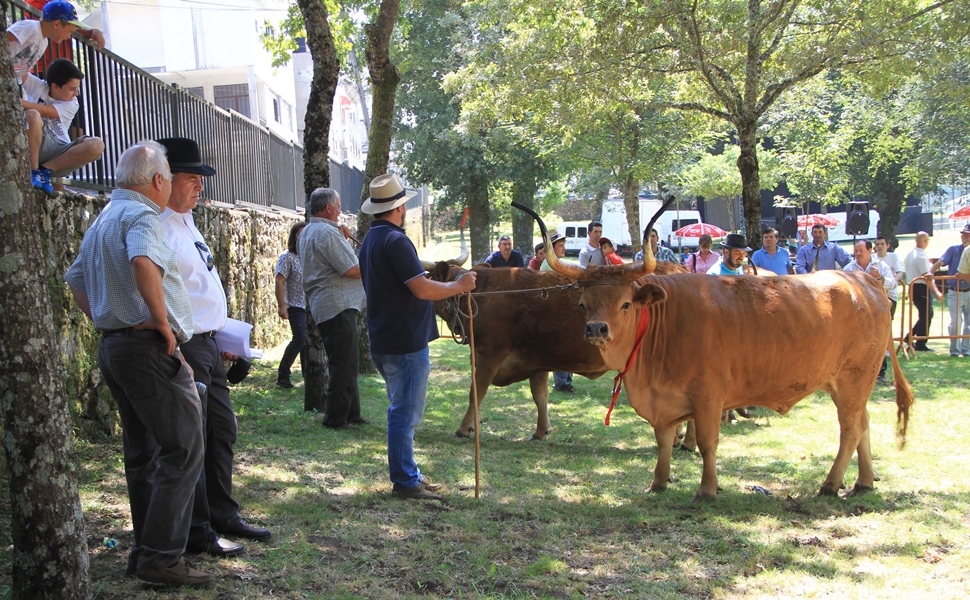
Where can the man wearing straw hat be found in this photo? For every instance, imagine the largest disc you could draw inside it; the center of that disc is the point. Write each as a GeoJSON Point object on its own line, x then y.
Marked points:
{"type": "Point", "coordinates": [401, 322]}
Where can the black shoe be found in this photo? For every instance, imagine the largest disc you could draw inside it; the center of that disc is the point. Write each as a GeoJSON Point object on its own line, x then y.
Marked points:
{"type": "Point", "coordinates": [924, 349]}
{"type": "Point", "coordinates": [242, 529]}
{"type": "Point", "coordinates": [216, 546]}
{"type": "Point", "coordinates": [284, 382]}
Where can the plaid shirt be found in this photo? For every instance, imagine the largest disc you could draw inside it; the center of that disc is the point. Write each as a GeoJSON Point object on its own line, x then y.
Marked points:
{"type": "Point", "coordinates": [326, 255]}
{"type": "Point", "coordinates": [664, 254]}
{"type": "Point", "coordinates": [128, 227]}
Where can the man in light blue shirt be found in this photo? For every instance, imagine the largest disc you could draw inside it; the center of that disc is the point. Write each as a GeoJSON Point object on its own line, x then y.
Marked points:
{"type": "Point", "coordinates": [772, 258]}
{"type": "Point", "coordinates": [733, 251]}
{"type": "Point", "coordinates": [820, 255]}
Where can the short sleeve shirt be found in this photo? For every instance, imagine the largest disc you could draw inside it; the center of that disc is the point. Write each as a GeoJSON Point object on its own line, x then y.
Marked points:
{"type": "Point", "coordinates": [290, 268]}
{"type": "Point", "coordinates": [127, 228]}
{"type": "Point", "coordinates": [325, 256]}
{"type": "Point", "coordinates": [777, 264]}
{"type": "Point", "coordinates": [36, 90]}
{"type": "Point", "coordinates": [398, 321]}
{"type": "Point", "coordinates": [30, 48]}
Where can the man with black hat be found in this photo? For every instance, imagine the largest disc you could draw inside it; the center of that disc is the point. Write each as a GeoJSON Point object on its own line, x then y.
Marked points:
{"type": "Point", "coordinates": [215, 510]}
{"type": "Point", "coordinates": [401, 322]}
{"type": "Point", "coordinates": [733, 251]}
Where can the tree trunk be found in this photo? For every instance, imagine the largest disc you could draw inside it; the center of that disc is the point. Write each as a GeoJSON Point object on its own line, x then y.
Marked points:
{"type": "Point", "coordinates": [524, 192]}
{"type": "Point", "coordinates": [479, 218]}
{"type": "Point", "coordinates": [750, 181]}
{"type": "Point", "coordinates": [326, 70]}
{"type": "Point", "coordinates": [631, 201]}
{"type": "Point", "coordinates": [50, 553]}
{"type": "Point", "coordinates": [316, 166]}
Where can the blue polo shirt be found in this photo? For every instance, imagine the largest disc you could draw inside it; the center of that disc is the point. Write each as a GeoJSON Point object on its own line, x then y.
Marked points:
{"type": "Point", "coordinates": [397, 320]}
{"type": "Point", "coordinates": [778, 263]}
{"type": "Point", "coordinates": [952, 260]}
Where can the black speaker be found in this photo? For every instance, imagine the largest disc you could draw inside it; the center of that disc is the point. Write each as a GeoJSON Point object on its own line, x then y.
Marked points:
{"type": "Point", "coordinates": [857, 218]}
{"type": "Point", "coordinates": [786, 221]}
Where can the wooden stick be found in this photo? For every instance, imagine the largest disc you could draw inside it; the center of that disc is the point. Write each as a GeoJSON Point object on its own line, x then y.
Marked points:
{"type": "Point", "coordinates": [471, 345]}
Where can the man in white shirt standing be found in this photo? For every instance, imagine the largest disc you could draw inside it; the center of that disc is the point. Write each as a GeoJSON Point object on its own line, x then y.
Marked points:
{"type": "Point", "coordinates": [215, 510]}
{"type": "Point", "coordinates": [591, 254]}
{"type": "Point", "coordinates": [917, 265]}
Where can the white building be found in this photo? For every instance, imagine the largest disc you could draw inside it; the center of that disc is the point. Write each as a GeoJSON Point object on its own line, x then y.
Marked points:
{"type": "Point", "coordinates": [213, 50]}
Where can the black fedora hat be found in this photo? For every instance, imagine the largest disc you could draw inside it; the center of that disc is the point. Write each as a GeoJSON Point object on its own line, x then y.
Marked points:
{"type": "Point", "coordinates": [735, 241]}
{"type": "Point", "coordinates": [184, 156]}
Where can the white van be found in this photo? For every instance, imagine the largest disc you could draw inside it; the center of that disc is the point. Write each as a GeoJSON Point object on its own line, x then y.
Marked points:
{"type": "Point", "coordinates": [617, 228]}
{"type": "Point", "coordinates": [575, 232]}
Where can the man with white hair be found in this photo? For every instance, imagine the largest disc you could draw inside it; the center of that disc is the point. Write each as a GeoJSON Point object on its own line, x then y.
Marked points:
{"type": "Point", "coordinates": [126, 279]}
{"type": "Point", "coordinates": [918, 270]}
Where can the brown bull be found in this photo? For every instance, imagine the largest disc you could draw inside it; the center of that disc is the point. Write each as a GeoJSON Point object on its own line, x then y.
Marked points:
{"type": "Point", "coordinates": [522, 334]}
{"type": "Point", "coordinates": [841, 319]}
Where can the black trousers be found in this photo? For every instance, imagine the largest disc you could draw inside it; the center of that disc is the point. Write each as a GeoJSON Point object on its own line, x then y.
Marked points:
{"type": "Point", "coordinates": [341, 340]}
{"type": "Point", "coordinates": [214, 507]}
{"type": "Point", "coordinates": [924, 307]}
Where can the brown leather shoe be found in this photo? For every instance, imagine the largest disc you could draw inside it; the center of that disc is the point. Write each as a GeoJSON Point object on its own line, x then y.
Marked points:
{"type": "Point", "coordinates": [429, 485]}
{"type": "Point", "coordinates": [415, 493]}
{"type": "Point", "coordinates": [178, 574]}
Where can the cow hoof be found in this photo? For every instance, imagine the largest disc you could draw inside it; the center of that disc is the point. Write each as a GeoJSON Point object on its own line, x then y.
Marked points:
{"type": "Point", "coordinates": [656, 487]}
{"type": "Point", "coordinates": [687, 448]}
{"type": "Point", "coordinates": [858, 489]}
{"type": "Point", "coordinates": [828, 491]}
{"type": "Point", "coordinates": [461, 434]}
{"type": "Point", "coordinates": [672, 479]}
{"type": "Point", "coordinates": [536, 438]}
{"type": "Point", "coordinates": [702, 497]}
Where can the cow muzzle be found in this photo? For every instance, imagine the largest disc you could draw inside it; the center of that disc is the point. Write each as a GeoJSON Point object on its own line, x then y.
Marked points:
{"type": "Point", "coordinates": [598, 333]}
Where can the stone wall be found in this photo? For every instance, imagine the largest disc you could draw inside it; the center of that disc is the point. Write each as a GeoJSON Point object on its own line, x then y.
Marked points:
{"type": "Point", "coordinates": [245, 244]}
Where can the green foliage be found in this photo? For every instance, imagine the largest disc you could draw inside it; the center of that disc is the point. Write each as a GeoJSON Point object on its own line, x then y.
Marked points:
{"type": "Point", "coordinates": [280, 39]}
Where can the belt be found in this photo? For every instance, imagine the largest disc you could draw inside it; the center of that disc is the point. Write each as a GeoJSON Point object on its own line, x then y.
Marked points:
{"type": "Point", "coordinates": [206, 334]}
{"type": "Point", "coordinates": [131, 332]}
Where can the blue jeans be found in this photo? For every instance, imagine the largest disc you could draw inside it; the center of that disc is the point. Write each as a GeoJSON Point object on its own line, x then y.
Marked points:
{"type": "Point", "coordinates": [297, 319]}
{"type": "Point", "coordinates": [406, 378]}
{"type": "Point", "coordinates": [562, 378]}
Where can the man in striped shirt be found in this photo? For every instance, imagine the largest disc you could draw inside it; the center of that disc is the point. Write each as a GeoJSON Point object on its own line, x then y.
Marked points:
{"type": "Point", "coordinates": [126, 279]}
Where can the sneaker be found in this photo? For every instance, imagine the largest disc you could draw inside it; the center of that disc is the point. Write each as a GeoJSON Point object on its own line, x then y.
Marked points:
{"type": "Point", "coordinates": [178, 574]}
{"type": "Point", "coordinates": [41, 180]}
{"type": "Point", "coordinates": [284, 382]}
{"type": "Point", "coordinates": [415, 493]}
{"type": "Point", "coordinates": [882, 379]}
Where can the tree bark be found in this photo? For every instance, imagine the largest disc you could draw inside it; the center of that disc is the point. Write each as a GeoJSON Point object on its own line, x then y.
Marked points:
{"type": "Point", "coordinates": [523, 227]}
{"type": "Point", "coordinates": [50, 554]}
{"type": "Point", "coordinates": [479, 218]}
{"type": "Point", "coordinates": [326, 71]}
{"type": "Point", "coordinates": [631, 201]}
{"type": "Point", "coordinates": [316, 166]}
{"type": "Point", "coordinates": [750, 180]}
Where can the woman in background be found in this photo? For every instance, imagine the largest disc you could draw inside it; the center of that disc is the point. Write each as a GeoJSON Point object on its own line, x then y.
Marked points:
{"type": "Point", "coordinates": [291, 305]}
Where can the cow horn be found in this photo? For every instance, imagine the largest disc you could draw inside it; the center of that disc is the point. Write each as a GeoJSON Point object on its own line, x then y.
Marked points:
{"type": "Point", "coordinates": [463, 257]}
{"type": "Point", "coordinates": [558, 266]}
{"type": "Point", "coordinates": [428, 265]}
{"type": "Point", "coordinates": [649, 260]}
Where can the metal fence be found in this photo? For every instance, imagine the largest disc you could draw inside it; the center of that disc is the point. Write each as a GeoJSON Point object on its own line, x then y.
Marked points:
{"type": "Point", "coordinates": [123, 104]}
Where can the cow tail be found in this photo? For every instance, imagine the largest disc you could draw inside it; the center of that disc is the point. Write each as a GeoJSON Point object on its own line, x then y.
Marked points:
{"type": "Point", "coordinates": [904, 396]}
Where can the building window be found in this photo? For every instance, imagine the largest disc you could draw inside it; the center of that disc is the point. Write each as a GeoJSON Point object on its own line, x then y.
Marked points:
{"type": "Point", "coordinates": [234, 97]}
{"type": "Point", "coordinates": [276, 110]}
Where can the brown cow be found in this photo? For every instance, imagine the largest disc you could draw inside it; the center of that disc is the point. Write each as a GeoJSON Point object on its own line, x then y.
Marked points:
{"type": "Point", "coordinates": [522, 334]}
{"type": "Point", "coordinates": [842, 320]}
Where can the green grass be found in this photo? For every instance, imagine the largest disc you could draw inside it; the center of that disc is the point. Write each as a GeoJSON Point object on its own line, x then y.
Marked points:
{"type": "Point", "coordinates": [569, 517]}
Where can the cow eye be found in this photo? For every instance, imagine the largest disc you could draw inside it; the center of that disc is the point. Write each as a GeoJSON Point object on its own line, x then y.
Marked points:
{"type": "Point", "coordinates": [626, 306]}
{"type": "Point", "coordinates": [582, 308]}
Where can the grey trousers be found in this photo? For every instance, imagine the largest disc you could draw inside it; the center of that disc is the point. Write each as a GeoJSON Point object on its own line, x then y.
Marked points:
{"type": "Point", "coordinates": [161, 418]}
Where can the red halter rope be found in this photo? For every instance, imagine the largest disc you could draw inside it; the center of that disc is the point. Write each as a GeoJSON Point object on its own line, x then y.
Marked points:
{"type": "Point", "coordinates": [618, 380]}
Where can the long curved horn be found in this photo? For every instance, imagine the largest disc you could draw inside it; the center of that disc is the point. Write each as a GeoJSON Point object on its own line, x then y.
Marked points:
{"type": "Point", "coordinates": [428, 265]}
{"type": "Point", "coordinates": [557, 265]}
{"type": "Point", "coordinates": [649, 260]}
{"type": "Point", "coordinates": [463, 257]}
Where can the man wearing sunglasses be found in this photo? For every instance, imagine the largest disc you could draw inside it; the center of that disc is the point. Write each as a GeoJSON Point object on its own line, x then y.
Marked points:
{"type": "Point", "coordinates": [215, 510]}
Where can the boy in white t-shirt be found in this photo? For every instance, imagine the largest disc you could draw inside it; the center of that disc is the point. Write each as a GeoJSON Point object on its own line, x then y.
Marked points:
{"type": "Point", "coordinates": [27, 40]}
{"type": "Point", "coordinates": [50, 106]}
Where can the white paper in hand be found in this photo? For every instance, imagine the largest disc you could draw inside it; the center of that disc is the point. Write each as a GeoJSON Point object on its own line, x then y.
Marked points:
{"type": "Point", "coordinates": [234, 339]}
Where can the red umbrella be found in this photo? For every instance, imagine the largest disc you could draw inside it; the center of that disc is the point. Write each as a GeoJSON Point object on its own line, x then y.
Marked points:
{"type": "Point", "coordinates": [696, 230]}
{"type": "Point", "coordinates": [813, 220]}
{"type": "Point", "coordinates": [963, 213]}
